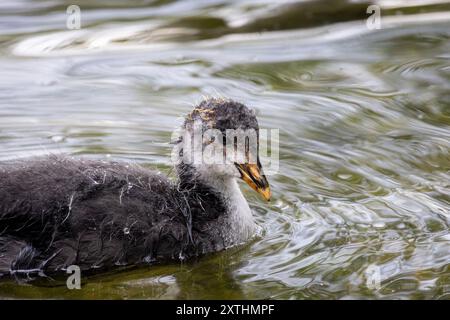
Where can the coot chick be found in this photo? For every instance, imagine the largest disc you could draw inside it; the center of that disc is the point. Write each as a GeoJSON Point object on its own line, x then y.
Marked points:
{"type": "Point", "coordinates": [57, 211]}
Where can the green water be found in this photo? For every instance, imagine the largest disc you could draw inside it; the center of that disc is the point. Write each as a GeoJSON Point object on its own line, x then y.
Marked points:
{"type": "Point", "coordinates": [364, 120]}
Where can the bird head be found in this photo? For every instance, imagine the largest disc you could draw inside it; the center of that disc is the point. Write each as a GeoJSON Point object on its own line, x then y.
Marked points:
{"type": "Point", "coordinates": [221, 140]}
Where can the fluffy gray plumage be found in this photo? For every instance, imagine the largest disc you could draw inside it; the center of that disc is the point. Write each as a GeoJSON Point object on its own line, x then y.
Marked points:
{"type": "Point", "coordinates": [57, 211]}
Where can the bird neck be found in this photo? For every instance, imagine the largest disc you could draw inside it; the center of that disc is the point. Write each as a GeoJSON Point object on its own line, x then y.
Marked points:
{"type": "Point", "coordinates": [222, 197]}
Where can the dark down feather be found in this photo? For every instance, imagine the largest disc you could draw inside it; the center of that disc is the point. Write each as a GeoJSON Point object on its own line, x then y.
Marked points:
{"type": "Point", "coordinates": [56, 211]}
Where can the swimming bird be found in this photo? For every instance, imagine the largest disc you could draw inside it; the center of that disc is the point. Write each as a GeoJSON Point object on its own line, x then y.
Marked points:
{"type": "Point", "coordinates": [57, 211]}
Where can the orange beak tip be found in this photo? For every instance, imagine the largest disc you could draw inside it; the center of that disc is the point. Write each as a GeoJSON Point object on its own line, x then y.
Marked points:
{"type": "Point", "coordinates": [253, 176]}
{"type": "Point", "coordinates": [266, 193]}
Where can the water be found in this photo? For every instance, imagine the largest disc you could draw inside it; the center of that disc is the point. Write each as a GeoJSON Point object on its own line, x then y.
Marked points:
{"type": "Point", "coordinates": [364, 119]}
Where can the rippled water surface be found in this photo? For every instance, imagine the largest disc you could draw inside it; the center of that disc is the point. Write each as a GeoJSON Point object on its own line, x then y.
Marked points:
{"type": "Point", "coordinates": [364, 119]}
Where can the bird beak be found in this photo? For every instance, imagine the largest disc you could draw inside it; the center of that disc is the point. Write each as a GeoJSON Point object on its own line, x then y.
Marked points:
{"type": "Point", "coordinates": [252, 174]}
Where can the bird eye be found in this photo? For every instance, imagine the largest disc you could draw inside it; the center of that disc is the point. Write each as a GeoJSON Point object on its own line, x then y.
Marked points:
{"type": "Point", "coordinates": [210, 140]}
